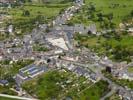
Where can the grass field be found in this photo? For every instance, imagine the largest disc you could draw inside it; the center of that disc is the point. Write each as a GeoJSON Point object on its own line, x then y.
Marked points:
{"type": "Point", "coordinates": [95, 92]}
{"type": "Point", "coordinates": [119, 8]}
{"type": "Point", "coordinates": [37, 12]}
{"type": "Point", "coordinates": [48, 10]}
{"type": "Point", "coordinates": [56, 84]}
{"type": "Point", "coordinates": [118, 48]}
{"type": "Point", "coordinates": [13, 68]}
{"type": "Point", "coordinates": [59, 85]}
{"type": "Point", "coordinates": [4, 98]}
{"type": "Point", "coordinates": [6, 90]}
{"type": "Point", "coordinates": [130, 69]}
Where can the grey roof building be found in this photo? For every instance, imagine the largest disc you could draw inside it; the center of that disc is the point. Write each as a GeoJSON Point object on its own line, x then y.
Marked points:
{"type": "Point", "coordinates": [29, 72]}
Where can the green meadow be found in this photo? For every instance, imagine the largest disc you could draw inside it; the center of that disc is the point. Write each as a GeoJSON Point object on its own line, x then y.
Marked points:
{"type": "Point", "coordinates": [120, 9]}
{"type": "Point", "coordinates": [28, 15]}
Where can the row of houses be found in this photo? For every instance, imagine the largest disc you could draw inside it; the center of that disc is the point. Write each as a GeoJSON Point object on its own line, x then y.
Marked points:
{"type": "Point", "coordinates": [80, 71]}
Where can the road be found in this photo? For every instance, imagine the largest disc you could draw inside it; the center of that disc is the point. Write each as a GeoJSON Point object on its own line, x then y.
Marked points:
{"type": "Point", "coordinates": [108, 94]}
{"type": "Point", "coordinates": [114, 87]}
{"type": "Point", "coordinates": [16, 97]}
{"type": "Point", "coordinates": [69, 12]}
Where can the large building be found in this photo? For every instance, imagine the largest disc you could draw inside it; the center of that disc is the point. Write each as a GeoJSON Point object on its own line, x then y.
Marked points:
{"type": "Point", "coordinates": [29, 72]}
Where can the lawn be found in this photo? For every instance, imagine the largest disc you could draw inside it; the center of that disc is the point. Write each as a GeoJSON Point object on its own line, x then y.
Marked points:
{"type": "Point", "coordinates": [48, 10]}
{"type": "Point", "coordinates": [4, 98]}
{"type": "Point", "coordinates": [119, 8]}
{"type": "Point", "coordinates": [6, 90]}
{"type": "Point", "coordinates": [54, 84]}
{"type": "Point", "coordinates": [95, 92]}
{"type": "Point", "coordinates": [130, 69]}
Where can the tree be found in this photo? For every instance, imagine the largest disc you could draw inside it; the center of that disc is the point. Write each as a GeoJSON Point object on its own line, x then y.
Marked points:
{"type": "Point", "coordinates": [110, 17]}
{"type": "Point", "coordinates": [92, 8]}
{"type": "Point", "coordinates": [131, 13]}
{"type": "Point", "coordinates": [40, 19]}
{"type": "Point", "coordinates": [26, 13]}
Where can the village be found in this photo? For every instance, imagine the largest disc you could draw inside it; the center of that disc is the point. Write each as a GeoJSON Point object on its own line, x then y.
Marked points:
{"type": "Point", "coordinates": [52, 47]}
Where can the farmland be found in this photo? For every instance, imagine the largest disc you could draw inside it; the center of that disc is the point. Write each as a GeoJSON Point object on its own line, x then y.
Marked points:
{"type": "Point", "coordinates": [27, 16]}
{"type": "Point", "coordinates": [119, 9]}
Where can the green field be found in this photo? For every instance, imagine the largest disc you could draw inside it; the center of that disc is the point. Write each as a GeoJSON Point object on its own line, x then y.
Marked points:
{"type": "Point", "coordinates": [117, 47]}
{"type": "Point", "coordinates": [13, 68]}
{"type": "Point", "coordinates": [48, 10]}
{"type": "Point", "coordinates": [95, 92]}
{"type": "Point", "coordinates": [27, 16]}
{"type": "Point", "coordinates": [119, 8]}
{"type": "Point", "coordinates": [50, 85]}
{"type": "Point", "coordinates": [6, 90]}
{"type": "Point", "coordinates": [130, 69]}
{"type": "Point", "coordinates": [4, 98]}
{"type": "Point", "coordinates": [56, 84]}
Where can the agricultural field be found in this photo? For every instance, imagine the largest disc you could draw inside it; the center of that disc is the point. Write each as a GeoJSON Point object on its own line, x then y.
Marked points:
{"type": "Point", "coordinates": [27, 16]}
{"type": "Point", "coordinates": [103, 11]}
{"type": "Point", "coordinates": [56, 84]}
{"type": "Point", "coordinates": [94, 92]}
{"type": "Point", "coordinates": [116, 47]}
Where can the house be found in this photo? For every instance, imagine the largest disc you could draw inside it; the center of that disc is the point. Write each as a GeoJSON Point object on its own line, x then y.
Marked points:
{"type": "Point", "coordinates": [130, 30]}
{"type": "Point", "coordinates": [125, 95]}
{"type": "Point", "coordinates": [10, 29]}
{"type": "Point", "coordinates": [80, 28]}
{"type": "Point", "coordinates": [124, 75]}
{"type": "Point", "coordinates": [4, 82]}
{"type": "Point", "coordinates": [81, 71]}
{"type": "Point", "coordinates": [92, 29]}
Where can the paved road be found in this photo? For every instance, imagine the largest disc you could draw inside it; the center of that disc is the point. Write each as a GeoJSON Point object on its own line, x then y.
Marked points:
{"type": "Point", "coordinates": [69, 12]}
{"type": "Point", "coordinates": [108, 94]}
{"type": "Point", "coordinates": [16, 97]}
